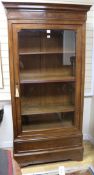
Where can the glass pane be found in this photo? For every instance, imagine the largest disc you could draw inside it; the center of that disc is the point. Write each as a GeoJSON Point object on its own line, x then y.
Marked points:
{"type": "Point", "coordinates": [47, 121]}
{"type": "Point", "coordinates": [47, 62]}
{"type": "Point", "coordinates": [45, 54]}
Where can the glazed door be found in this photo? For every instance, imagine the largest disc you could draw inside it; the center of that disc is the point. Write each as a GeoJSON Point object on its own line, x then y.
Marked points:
{"type": "Point", "coordinates": [47, 66]}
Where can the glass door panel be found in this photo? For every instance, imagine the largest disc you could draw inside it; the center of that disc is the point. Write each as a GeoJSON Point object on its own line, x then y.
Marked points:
{"type": "Point", "coordinates": [47, 64]}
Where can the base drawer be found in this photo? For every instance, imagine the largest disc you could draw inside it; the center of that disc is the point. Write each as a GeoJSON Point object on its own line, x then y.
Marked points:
{"type": "Point", "coordinates": [44, 144]}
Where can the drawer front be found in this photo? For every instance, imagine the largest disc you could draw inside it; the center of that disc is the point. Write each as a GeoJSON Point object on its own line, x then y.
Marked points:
{"type": "Point", "coordinates": [38, 145]}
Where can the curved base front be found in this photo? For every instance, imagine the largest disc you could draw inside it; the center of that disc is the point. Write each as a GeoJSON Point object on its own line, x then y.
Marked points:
{"type": "Point", "coordinates": [29, 158]}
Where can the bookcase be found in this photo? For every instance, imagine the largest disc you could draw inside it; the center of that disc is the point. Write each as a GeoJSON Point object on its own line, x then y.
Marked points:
{"type": "Point", "coordinates": [47, 51]}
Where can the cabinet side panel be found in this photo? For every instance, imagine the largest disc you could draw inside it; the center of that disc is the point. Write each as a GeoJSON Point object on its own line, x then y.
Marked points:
{"type": "Point", "coordinates": [83, 33]}
{"type": "Point", "coordinates": [12, 78]}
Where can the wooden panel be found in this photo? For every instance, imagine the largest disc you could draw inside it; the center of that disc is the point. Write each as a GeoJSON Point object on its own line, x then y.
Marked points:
{"type": "Point", "coordinates": [43, 11]}
{"type": "Point", "coordinates": [56, 133]}
{"type": "Point", "coordinates": [56, 17]}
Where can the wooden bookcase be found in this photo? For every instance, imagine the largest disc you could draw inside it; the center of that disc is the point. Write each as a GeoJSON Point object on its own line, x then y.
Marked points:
{"type": "Point", "coordinates": [47, 52]}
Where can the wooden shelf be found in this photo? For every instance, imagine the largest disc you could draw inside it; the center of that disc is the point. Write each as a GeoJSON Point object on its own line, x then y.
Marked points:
{"type": "Point", "coordinates": [54, 75]}
{"type": "Point", "coordinates": [27, 109]}
{"type": "Point", "coordinates": [32, 52]}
